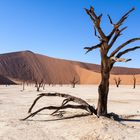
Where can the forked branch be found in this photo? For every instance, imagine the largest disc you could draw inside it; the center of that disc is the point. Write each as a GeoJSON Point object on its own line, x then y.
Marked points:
{"type": "Point", "coordinates": [119, 23]}
{"type": "Point", "coordinates": [96, 20]}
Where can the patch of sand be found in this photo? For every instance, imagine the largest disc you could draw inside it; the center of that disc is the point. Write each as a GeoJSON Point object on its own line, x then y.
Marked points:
{"type": "Point", "coordinates": [75, 124]}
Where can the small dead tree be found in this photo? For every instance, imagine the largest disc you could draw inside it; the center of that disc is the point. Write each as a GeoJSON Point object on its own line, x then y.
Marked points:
{"type": "Point", "coordinates": [38, 85]}
{"type": "Point", "coordinates": [43, 86]}
{"type": "Point", "coordinates": [134, 81]}
{"type": "Point", "coordinates": [105, 44]}
{"type": "Point", "coordinates": [74, 81]}
{"type": "Point", "coordinates": [23, 70]}
{"type": "Point", "coordinates": [23, 83]}
{"type": "Point", "coordinates": [117, 81]}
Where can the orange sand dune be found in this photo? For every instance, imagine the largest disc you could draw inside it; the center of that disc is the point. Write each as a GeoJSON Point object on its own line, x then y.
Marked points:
{"type": "Point", "coordinates": [29, 66]}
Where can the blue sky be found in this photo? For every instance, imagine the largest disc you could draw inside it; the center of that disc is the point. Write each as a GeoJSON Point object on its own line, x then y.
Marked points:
{"type": "Point", "coordinates": [61, 28]}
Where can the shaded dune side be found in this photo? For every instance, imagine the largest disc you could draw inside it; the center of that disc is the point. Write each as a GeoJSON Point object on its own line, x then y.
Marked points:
{"type": "Point", "coordinates": [20, 65]}
{"type": "Point", "coordinates": [6, 81]}
{"type": "Point", "coordinates": [57, 70]}
{"type": "Point", "coordinates": [29, 66]}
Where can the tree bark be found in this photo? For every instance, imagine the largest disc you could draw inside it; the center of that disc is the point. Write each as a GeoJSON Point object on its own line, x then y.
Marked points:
{"type": "Point", "coordinates": [38, 88]}
{"type": "Point", "coordinates": [23, 85]}
{"type": "Point", "coordinates": [134, 84]}
{"type": "Point", "coordinates": [103, 88]}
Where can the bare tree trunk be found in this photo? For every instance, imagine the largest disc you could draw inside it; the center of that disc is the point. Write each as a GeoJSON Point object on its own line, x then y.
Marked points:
{"type": "Point", "coordinates": [117, 81]}
{"type": "Point", "coordinates": [103, 88]}
{"type": "Point", "coordinates": [23, 84]}
{"type": "Point", "coordinates": [134, 80]}
{"type": "Point", "coordinates": [73, 85]}
{"type": "Point", "coordinates": [43, 86]}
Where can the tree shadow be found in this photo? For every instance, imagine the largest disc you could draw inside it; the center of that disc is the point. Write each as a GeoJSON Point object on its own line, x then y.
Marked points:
{"type": "Point", "coordinates": [129, 120]}
{"type": "Point", "coordinates": [62, 112]}
{"type": "Point", "coordinates": [64, 118]}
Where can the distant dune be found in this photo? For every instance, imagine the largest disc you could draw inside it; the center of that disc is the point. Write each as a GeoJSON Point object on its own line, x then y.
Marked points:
{"type": "Point", "coordinates": [29, 66]}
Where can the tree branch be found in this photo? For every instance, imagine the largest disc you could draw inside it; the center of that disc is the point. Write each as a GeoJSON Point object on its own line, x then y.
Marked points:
{"type": "Point", "coordinates": [83, 104]}
{"type": "Point", "coordinates": [115, 59]}
{"type": "Point", "coordinates": [123, 45]}
{"type": "Point", "coordinates": [57, 108]}
{"type": "Point", "coordinates": [67, 96]}
{"type": "Point", "coordinates": [92, 48]}
{"type": "Point", "coordinates": [95, 33]}
{"type": "Point", "coordinates": [117, 34]}
{"type": "Point", "coordinates": [110, 20]}
{"type": "Point", "coordinates": [30, 109]}
{"type": "Point", "coordinates": [126, 51]}
{"type": "Point", "coordinates": [96, 20]}
{"type": "Point", "coordinates": [119, 23]}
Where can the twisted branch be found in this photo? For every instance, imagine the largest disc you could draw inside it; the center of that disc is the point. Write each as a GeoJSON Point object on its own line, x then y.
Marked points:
{"type": "Point", "coordinates": [58, 108]}
{"type": "Point", "coordinates": [83, 104]}
{"type": "Point", "coordinates": [96, 20]}
{"type": "Point", "coordinates": [126, 51]}
{"type": "Point", "coordinates": [123, 45]}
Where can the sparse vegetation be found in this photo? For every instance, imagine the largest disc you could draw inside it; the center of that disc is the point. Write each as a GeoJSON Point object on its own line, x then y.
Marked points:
{"type": "Point", "coordinates": [117, 81]}
{"type": "Point", "coordinates": [74, 81]}
{"type": "Point", "coordinates": [134, 81]}
{"type": "Point", "coordinates": [38, 84]}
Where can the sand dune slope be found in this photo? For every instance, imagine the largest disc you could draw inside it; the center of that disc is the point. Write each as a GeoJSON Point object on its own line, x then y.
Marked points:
{"type": "Point", "coordinates": [29, 66]}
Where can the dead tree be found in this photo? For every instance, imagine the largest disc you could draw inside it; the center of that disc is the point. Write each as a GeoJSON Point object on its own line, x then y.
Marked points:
{"type": "Point", "coordinates": [23, 70]}
{"type": "Point", "coordinates": [134, 81]}
{"type": "Point", "coordinates": [105, 44]}
{"type": "Point", "coordinates": [108, 60]}
{"type": "Point", "coordinates": [117, 81]}
{"type": "Point", "coordinates": [43, 86]}
{"type": "Point", "coordinates": [38, 85]}
{"type": "Point", "coordinates": [74, 81]}
{"type": "Point", "coordinates": [23, 85]}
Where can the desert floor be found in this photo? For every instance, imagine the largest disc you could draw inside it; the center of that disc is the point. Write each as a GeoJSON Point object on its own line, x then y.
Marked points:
{"type": "Point", "coordinates": [75, 124]}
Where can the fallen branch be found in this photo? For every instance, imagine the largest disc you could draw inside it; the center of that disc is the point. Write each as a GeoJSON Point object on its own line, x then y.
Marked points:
{"type": "Point", "coordinates": [82, 104]}
{"type": "Point", "coordinates": [58, 108]}
{"type": "Point", "coordinates": [30, 109]}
